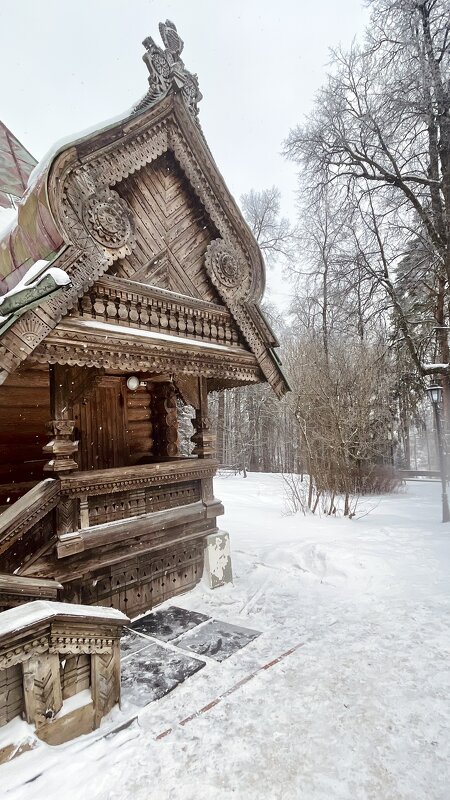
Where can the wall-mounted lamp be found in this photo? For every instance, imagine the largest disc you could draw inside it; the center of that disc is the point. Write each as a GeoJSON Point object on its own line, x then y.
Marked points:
{"type": "Point", "coordinates": [133, 383]}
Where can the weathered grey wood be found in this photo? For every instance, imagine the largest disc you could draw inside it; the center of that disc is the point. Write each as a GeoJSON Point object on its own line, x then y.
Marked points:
{"type": "Point", "coordinates": [25, 512]}
{"type": "Point", "coordinates": [77, 542]}
{"type": "Point", "coordinates": [29, 587]}
{"type": "Point", "coordinates": [35, 641]}
{"type": "Point", "coordinates": [112, 480]}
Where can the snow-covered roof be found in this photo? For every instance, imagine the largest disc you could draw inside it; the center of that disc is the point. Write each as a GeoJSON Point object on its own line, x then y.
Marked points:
{"type": "Point", "coordinates": [29, 614]}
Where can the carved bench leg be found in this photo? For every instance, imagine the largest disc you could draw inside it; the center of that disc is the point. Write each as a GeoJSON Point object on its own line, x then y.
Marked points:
{"type": "Point", "coordinates": [105, 679]}
{"type": "Point", "coordinates": [41, 688]}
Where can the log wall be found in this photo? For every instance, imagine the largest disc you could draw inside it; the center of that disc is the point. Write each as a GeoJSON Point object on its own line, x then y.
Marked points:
{"type": "Point", "coordinates": [24, 414]}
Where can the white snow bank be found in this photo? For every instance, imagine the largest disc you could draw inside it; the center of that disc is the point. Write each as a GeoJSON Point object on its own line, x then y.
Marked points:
{"type": "Point", "coordinates": [16, 732]}
{"type": "Point", "coordinates": [8, 217]}
{"type": "Point", "coordinates": [40, 610]}
{"type": "Point", "coordinates": [360, 710]}
{"type": "Point", "coordinates": [78, 700]}
{"type": "Point", "coordinates": [69, 141]}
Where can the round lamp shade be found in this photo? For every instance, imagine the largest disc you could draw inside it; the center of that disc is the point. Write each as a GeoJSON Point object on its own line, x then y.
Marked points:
{"type": "Point", "coordinates": [133, 382]}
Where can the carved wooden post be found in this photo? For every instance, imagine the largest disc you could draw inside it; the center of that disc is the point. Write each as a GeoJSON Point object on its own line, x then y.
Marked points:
{"type": "Point", "coordinates": [203, 438]}
{"type": "Point", "coordinates": [61, 447]}
{"type": "Point", "coordinates": [165, 420]}
{"type": "Point", "coordinates": [42, 688]}
{"type": "Point", "coordinates": [105, 676]}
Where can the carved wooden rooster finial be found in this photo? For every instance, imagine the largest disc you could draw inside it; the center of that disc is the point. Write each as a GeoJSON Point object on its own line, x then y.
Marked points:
{"type": "Point", "coordinates": [172, 41]}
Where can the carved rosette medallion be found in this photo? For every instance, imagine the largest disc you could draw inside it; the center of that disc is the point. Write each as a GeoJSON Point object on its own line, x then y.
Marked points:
{"type": "Point", "coordinates": [227, 269]}
{"type": "Point", "coordinates": [108, 219]}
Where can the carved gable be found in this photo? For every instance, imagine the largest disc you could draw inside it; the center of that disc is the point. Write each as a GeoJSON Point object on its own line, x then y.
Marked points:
{"type": "Point", "coordinates": [172, 234]}
{"type": "Point", "coordinates": [153, 241]}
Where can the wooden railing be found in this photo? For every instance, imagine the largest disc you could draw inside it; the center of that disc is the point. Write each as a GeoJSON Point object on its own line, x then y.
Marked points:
{"type": "Point", "coordinates": [15, 590]}
{"type": "Point", "coordinates": [30, 509]}
{"type": "Point", "coordinates": [123, 301]}
{"type": "Point", "coordinates": [105, 496]}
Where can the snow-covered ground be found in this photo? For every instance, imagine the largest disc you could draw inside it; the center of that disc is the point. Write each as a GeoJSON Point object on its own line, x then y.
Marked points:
{"type": "Point", "coordinates": [360, 710]}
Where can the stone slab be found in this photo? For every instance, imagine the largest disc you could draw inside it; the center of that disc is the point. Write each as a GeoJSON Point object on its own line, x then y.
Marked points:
{"type": "Point", "coordinates": [131, 642]}
{"type": "Point", "coordinates": [168, 623]}
{"type": "Point", "coordinates": [218, 640]}
{"type": "Point", "coordinates": [153, 673]}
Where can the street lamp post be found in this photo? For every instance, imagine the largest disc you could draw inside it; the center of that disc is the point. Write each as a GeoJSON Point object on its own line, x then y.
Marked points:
{"type": "Point", "coordinates": [435, 394]}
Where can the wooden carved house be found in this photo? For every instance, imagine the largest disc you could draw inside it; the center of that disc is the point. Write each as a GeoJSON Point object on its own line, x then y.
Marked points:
{"type": "Point", "coordinates": [130, 283]}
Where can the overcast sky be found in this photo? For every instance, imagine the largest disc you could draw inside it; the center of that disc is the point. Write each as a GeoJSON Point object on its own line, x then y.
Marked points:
{"type": "Point", "coordinates": [68, 65]}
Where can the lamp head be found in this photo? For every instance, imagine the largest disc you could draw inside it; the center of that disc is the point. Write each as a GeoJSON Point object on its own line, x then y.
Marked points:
{"type": "Point", "coordinates": [133, 382]}
{"type": "Point", "coordinates": [435, 393]}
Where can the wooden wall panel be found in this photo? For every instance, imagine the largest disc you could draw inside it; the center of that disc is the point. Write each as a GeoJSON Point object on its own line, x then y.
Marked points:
{"type": "Point", "coordinates": [11, 693]}
{"type": "Point", "coordinates": [24, 414]}
{"type": "Point", "coordinates": [100, 426]}
{"type": "Point", "coordinates": [172, 231]}
{"type": "Point", "coordinates": [140, 583]}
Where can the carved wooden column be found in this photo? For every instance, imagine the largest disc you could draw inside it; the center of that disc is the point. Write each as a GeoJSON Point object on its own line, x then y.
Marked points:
{"type": "Point", "coordinates": [203, 438]}
{"type": "Point", "coordinates": [42, 688]}
{"type": "Point", "coordinates": [61, 447]}
{"type": "Point", "coordinates": [165, 420]}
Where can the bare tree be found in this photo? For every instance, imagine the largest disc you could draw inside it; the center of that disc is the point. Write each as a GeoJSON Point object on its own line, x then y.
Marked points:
{"type": "Point", "coordinates": [380, 137]}
{"type": "Point", "coordinates": [273, 232]}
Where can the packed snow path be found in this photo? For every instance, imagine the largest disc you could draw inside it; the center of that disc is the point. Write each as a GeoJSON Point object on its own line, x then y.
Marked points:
{"type": "Point", "coordinates": [360, 710]}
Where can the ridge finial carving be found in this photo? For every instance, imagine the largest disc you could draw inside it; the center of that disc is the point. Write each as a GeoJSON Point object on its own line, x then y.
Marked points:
{"type": "Point", "coordinates": [167, 70]}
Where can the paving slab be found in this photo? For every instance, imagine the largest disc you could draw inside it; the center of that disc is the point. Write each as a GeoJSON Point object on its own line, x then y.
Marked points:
{"type": "Point", "coordinates": [218, 640]}
{"type": "Point", "coordinates": [131, 642]}
{"type": "Point", "coordinates": [168, 623]}
{"type": "Point", "coordinates": [153, 673]}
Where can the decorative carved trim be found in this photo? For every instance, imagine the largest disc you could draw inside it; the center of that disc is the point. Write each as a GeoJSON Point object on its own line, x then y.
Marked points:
{"type": "Point", "coordinates": [115, 300]}
{"type": "Point", "coordinates": [123, 505]}
{"type": "Point", "coordinates": [27, 511]}
{"type": "Point", "coordinates": [204, 438]}
{"type": "Point", "coordinates": [74, 343]}
{"type": "Point", "coordinates": [71, 184]}
{"type": "Point", "coordinates": [110, 481]}
{"type": "Point", "coordinates": [80, 644]}
{"type": "Point", "coordinates": [21, 653]}
{"type": "Point", "coordinates": [31, 330]}
{"type": "Point", "coordinates": [228, 270]}
{"type": "Point", "coordinates": [108, 219]}
{"type": "Point", "coordinates": [62, 448]}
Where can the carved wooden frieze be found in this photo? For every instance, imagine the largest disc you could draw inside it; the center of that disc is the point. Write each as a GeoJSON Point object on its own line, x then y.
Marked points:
{"type": "Point", "coordinates": [75, 342]}
{"type": "Point", "coordinates": [18, 653]}
{"type": "Point", "coordinates": [120, 301]}
{"type": "Point", "coordinates": [101, 482]}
